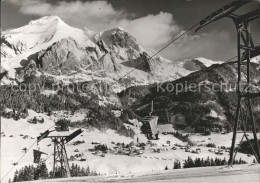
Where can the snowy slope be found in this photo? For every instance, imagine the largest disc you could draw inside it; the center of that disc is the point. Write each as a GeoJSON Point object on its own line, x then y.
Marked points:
{"type": "Point", "coordinates": [40, 33]}
{"type": "Point", "coordinates": [256, 59]}
{"type": "Point", "coordinates": [111, 164]}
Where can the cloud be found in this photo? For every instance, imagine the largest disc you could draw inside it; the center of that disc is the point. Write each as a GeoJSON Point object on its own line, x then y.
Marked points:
{"type": "Point", "coordinates": [151, 31]}
{"type": "Point", "coordinates": [215, 45]}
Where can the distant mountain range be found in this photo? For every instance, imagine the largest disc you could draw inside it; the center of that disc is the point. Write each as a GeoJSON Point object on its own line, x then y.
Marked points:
{"type": "Point", "coordinates": [73, 55]}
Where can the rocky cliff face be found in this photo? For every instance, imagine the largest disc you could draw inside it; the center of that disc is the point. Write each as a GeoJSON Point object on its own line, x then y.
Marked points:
{"type": "Point", "coordinates": [67, 56]}
{"type": "Point", "coordinates": [8, 49]}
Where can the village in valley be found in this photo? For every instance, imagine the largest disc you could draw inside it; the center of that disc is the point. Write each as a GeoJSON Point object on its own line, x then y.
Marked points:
{"type": "Point", "coordinates": [151, 147]}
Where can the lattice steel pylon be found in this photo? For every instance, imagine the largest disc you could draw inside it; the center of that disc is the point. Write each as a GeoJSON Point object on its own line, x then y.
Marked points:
{"type": "Point", "coordinates": [244, 42]}
{"type": "Point", "coordinates": [60, 159]}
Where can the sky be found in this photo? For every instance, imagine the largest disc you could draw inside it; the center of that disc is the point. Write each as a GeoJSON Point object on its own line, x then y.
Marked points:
{"type": "Point", "coordinates": [154, 23]}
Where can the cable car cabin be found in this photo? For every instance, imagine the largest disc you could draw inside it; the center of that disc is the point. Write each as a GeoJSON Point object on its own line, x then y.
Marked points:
{"type": "Point", "coordinates": [62, 125]}
{"type": "Point", "coordinates": [149, 127]}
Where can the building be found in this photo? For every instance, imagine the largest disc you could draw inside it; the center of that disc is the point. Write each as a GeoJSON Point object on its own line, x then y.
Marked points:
{"type": "Point", "coordinates": [149, 127]}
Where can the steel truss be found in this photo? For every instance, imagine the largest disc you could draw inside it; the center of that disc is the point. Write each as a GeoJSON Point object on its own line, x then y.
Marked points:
{"type": "Point", "coordinates": [60, 162]}
{"type": "Point", "coordinates": [244, 43]}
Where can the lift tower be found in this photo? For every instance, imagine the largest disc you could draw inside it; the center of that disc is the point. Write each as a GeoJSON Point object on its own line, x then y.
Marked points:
{"type": "Point", "coordinates": [244, 42]}
{"type": "Point", "coordinates": [60, 160]}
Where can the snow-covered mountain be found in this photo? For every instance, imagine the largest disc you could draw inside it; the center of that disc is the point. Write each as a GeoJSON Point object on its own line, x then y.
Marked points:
{"type": "Point", "coordinates": [71, 54]}
{"type": "Point", "coordinates": [198, 63]}
{"type": "Point", "coordinates": [38, 34]}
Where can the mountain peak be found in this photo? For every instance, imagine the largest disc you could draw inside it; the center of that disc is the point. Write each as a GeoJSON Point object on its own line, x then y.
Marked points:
{"type": "Point", "coordinates": [37, 35]}
{"type": "Point", "coordinates": [207, 62]}
{"type": "Point", "coordinates": [45, 19]}
{"type": "Point", "coordinates": [117, 28]}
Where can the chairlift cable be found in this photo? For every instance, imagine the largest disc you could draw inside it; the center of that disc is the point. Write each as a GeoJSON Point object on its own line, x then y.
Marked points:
{"type": "Point", "coordinates": [164, 47]}
{"type": "Point", "coordinates": [21, 157]}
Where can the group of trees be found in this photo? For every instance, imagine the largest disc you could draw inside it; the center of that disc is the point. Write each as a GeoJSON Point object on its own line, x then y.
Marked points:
{"type": "Point", "coordinates": [77, 171]}
{"type": "Point", "coordinates": [16, 114]}
{"type": "Point", "coordinates": [102, 118]}
{"type": "Point", "coordinates": [31, 172]}
{"type": "Point", "coordinates": [35, 100]}
{"type": "Point", "coordinates": [200, 162]}
{"type": "Point", "coordinates": [65, 97]}
{"type": "Point", "coordinates": [246, 148]}
{"type": "Point", "coordinates": [101, 147]}
{"type": "Point", "coordinates": [63, 124]}
{"type": "Point", "coordinates": [190, 163]}
{"type": "Point", "coordinates": [177, 165]}
{"type": "Point", "coordinates": [211, 145]}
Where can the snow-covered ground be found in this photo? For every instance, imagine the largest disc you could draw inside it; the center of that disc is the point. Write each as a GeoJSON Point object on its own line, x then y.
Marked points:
{"type": "Point", "coordinates": [149, 161]}
{"type": "Point", "coordinates": [218, 139]}
{"type": "Point", "coordinates": [237, 173]}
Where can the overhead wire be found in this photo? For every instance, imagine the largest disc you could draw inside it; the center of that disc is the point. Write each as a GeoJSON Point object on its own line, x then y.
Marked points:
{"type": "Point", "coordinates": [22, 157]}
{"type": "Point", "coordinates": [202, 43]}
{"type": "Point", "coordinates": [156, 53]}
{"type": "Point", "coordinates": [18, 160]}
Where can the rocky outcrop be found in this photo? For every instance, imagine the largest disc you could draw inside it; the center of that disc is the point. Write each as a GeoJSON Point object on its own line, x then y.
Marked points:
{"type": "Point", "coordinates": [27, 72]}
{"type": "Point", "coordinates": [122, 43]}
{"type": "Point", "coordinates": [63, 57]}
{"type": "Point", "coordinates": [67, 56]}
{"type": "Point", "coordinates": [194, 65]}
{"type": "Point", "coordinates": [121, 38]}
{"type": "Point", "coordinates": [8, 50]}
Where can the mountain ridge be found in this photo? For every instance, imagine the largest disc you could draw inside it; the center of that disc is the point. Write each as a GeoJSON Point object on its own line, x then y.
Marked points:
{"type": "Point", "coordinates": [113, 51]}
